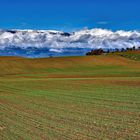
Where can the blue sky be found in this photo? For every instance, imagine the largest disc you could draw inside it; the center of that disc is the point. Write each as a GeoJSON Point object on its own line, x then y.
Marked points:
{"type": "Point", "coordinates": [70, 15]}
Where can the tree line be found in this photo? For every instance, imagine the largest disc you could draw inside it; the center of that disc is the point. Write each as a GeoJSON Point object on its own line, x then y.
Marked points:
{"type": "Point", "coordinates": [102, 51]}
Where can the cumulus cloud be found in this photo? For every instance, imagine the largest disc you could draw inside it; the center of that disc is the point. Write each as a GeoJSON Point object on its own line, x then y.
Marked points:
{"type": "Point", "coordinates": [40, 43]}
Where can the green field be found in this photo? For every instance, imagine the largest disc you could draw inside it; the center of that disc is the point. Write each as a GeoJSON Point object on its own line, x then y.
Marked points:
{"type": "Point", "coordinates": [74, 98]}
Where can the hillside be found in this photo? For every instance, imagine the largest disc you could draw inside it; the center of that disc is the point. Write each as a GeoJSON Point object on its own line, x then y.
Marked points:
{"type": "Point", "coordinates": [134, 54]}
{"type": "Point", "coordinates": [86, 66]}
{"type": "Point", "coordinates": [85, 98]}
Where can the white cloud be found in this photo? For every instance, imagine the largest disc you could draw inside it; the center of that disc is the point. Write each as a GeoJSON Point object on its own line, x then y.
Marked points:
{"type": "Point", "coordinates": [56, 41]}
{"type": "Point", "coordinates": [55, 50]}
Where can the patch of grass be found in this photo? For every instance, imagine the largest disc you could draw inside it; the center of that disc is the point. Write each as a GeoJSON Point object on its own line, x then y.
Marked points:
{"type": "Point", "coordinates": [134, 55]}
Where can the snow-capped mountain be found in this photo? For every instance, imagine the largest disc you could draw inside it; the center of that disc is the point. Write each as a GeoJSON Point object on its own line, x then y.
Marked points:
{"type": "Point", "coordinates": [43, 43]}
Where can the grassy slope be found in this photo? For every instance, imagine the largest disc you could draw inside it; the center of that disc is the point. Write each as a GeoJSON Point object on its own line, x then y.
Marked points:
{"type": "Point", "coordinates": [134, 55]}
{"type": "Point", "coordinates": [69, 66]}
{"type": "Point", "coordinates": [70, 98]}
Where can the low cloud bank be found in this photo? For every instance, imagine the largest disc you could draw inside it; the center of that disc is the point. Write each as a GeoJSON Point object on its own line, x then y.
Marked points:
{"type": "Point", "coordinates": [43, 43]}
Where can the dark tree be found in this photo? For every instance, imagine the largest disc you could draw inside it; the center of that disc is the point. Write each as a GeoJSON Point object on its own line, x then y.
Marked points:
{"type": "Point", "coordinates": [122, 50]}
{"type": "Point", "coordinates": [95, 52]}
{"type": "Point", "coordinates": [117, 50]}
{"type": "Point", "coordinates": [134, 48]}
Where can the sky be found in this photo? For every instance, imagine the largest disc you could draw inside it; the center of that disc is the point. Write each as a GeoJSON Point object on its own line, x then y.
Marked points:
{"type": "Point", "coordinates": [70, 15]}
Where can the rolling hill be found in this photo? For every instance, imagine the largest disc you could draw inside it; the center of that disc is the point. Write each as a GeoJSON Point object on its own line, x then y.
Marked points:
{"type": "Point", "coordinates": [93, 66]}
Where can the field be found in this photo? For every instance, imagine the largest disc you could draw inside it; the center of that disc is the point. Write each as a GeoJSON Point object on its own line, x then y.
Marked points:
{"type": "Point", "coordinates": [78, 98]}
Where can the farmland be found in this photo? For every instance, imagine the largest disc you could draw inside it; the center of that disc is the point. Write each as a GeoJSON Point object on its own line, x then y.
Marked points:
{"type": "Point", "coordinates": [87, 98]}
